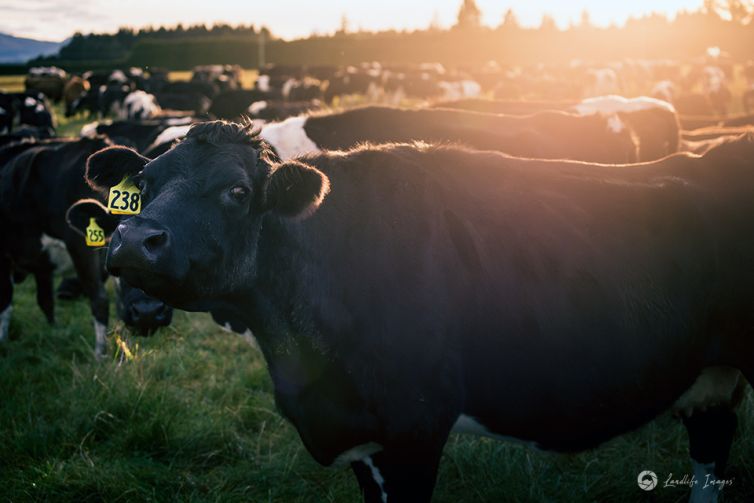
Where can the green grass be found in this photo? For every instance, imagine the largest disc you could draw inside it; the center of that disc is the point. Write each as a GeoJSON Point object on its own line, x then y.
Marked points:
{"type": "Point", "coordinates": [191, 418]}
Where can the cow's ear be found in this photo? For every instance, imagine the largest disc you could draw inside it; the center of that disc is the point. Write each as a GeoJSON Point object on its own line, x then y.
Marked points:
{"type": "Point", "coordinates": [80, 213]}
{"type": "Point", "coordinates": [296, 190]}
{"type": "Point", "coordinates": [108, 166]}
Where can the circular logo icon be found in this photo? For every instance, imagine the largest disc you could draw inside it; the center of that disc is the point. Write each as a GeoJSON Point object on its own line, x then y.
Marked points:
{"type": "Point", "coordinates": [647, 480]}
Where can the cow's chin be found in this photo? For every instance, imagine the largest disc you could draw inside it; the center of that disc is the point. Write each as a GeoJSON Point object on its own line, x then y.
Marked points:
{"type": "Point", "coordinates": [177, 294]}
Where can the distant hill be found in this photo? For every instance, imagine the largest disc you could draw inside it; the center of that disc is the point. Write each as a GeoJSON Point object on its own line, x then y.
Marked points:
{"type": "Point", "coordinates": [19, 50]}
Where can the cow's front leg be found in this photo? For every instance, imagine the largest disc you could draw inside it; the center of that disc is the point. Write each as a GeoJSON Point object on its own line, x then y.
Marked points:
{"type": "Point", "coordinates": [398, 475]}
{"type": "Point", "coordinates": [87, 264]}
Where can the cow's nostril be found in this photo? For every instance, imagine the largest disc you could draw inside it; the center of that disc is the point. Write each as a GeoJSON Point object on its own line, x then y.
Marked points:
{"type": "Point", "coordinates": [155, 241]}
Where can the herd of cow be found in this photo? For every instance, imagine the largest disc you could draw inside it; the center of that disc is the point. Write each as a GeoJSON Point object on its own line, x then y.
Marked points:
{"type": "Point", "coordinates": [554, 271]}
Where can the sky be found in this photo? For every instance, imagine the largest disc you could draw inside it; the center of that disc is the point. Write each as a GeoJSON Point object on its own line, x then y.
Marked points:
{"type": "Point", "coordinates": [58, 19]}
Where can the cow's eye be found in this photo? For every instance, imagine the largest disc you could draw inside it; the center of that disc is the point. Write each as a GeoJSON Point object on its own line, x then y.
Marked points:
{"type": "Point", "coordinates": [239, 193]}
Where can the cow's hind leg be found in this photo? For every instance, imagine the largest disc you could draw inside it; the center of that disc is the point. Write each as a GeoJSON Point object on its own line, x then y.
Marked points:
{"type": "Point", "coordinates": [398, 475]}
{"type": "Point", "coordinates": [43, 276]}
{"type": "Point", "coordinates": [6, 297]}
{"type": "Point", "coordinates": [710, 437]}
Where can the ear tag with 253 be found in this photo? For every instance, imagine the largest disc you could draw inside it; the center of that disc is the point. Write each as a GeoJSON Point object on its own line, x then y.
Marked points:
{"type": "Point", "coordinates": [95, 235]}
{"type": "Point", "coordinates": [124, 198]}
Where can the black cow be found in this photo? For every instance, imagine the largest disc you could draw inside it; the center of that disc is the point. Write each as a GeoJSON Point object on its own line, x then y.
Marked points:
{"type": "Point", "coordinates": [547, 135]}
{"type": "Point", "coordinates": [402, 292]}
{"type": "Point", "coordinates": [235, 103]}
{"type": "Point", "coordinates": [25, 109]}
{"type": "Point", "coordinates": [38, 183]}
{"type": "Point", "coordinates": [137, 134]}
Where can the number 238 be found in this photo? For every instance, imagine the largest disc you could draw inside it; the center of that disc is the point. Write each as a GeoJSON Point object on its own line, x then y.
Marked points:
{"type": "Point", "coordinates": [128, 201]}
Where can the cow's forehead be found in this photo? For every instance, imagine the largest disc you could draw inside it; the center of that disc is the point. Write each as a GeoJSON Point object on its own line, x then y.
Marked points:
{"type": "Point", "coordinates": [201, 162]}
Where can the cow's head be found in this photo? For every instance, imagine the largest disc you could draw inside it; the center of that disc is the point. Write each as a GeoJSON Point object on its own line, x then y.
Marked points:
{"type": "Point", "coordinates": [203, 203]}
{"type": "Point", "coordinates": [138, 310]}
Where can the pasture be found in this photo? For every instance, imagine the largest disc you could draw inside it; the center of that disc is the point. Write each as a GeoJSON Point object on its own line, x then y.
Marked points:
{"type": "Point", "coordinates": [189, 415]}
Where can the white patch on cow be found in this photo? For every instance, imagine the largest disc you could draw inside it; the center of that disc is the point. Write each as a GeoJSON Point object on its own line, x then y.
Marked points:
{"type": "Point", "coordinates": [714, 386]}
{"type": "Point", "coordinates": [248, 336]}
{"type": "Point", "coordinates": [30, 102]}
{"type": "Point", "coordinates": [288, 138]}
{"type": "Point", "coordinates": [139, 105]}
{"type": "Point", "coordinates": [665, 89]}
{"type": "Point", "coordinates": [100, 340]}
{"type": "Point", "coordinates": [171, 134]}
{"type": "Point", "coordinates": [471, 88]}
{"type": "Point", "coordinates": [39, 108]}
{"type": "Point", "coordinates": [714, 79]}
{"type": "Point", "coordinates": [612, 104]}
{"type": "Point", "coordinates": [178, 121]}
{"type": "Point", "coordinates": [460, 89]}
{"type": "Point", "coordinates": [703, 491]}
{"type": "Point", "coordinates": [357, 453]}
{"type": "Point", "coordinates": [89, 130]}
{"type": "Point", "coordinates": [614, 124]}
{"type": "Point", "coordinates": [263, 83]}
{"type": "Point", "coordinates": [470, 426]}
{"type": "Point", "coordinates": [58, 253]}
{"type": "Point", "coordinates": [5, 322]}
{"type": "Point", "coordinates": [377, 476]}
{"type": "Point", "coordinates": [288, 87]}
{"type": "Point", "coordinates": [118, 76]}
{"type": "Point", "coordinates": [257, 107]}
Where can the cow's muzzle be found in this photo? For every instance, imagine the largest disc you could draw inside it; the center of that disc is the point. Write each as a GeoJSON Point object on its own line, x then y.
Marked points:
{"type": "Point", "coordinates": [143, 252]}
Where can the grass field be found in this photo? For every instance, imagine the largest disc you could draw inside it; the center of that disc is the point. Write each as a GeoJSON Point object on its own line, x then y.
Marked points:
{"type": "Point", "coordinates": [190, 417]}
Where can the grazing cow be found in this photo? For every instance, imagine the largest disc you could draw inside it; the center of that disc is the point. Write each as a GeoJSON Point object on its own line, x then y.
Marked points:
{"type": "Point", "coordinates": [38, 183]}
{"type": "Point", "coordinates": [402, 292]}
{"type": "Point", "coordinates": [33, 111]}
{"type": "Point", "coordinates": [547, 135]}
{"type": "Point", "coordinates": [49, 81]}
{"type": "Point", "coordinates": [73, 92]}
{"type": "Point", "coordinates": [139, 105]}
{"type": "Point", "coordinates": [24, 109]}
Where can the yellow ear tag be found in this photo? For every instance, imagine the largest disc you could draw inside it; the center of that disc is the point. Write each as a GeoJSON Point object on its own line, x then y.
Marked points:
{"type": "Point", "coordinates": [124, 198]}
{"type": "Point", "coordinates": [95, 236]}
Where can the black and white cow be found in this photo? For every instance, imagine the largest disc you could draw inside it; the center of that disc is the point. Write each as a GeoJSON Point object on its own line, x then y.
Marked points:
{"type": "Point", "coordinates": [547, 135]}
{"type": "Point", "coordinates": [39, 181]}
{"type": "Point", "coordinates": [403, 292]}
{"type": "Point", "coordinates": [653, 122]}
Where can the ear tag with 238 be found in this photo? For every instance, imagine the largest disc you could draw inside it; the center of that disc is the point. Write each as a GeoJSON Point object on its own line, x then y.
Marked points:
{"type": "Point", "coordinates": [124, 198]}
{"type": "Point", "coordinates": [95, 235]}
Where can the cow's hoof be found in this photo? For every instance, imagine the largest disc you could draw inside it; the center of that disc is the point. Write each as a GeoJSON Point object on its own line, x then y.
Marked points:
{"type": "Point", "coordinates": [100, 355]}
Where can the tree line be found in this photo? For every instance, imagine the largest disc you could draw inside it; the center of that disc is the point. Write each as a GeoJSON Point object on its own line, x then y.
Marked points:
{"type": "Point", "coordinates": [726, 24]}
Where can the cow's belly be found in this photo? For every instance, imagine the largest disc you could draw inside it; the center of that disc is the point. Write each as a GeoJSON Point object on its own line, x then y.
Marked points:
{"type": "Point", "coordinates": [713, 387]}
